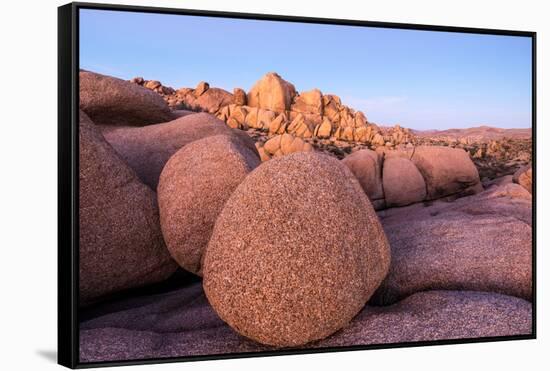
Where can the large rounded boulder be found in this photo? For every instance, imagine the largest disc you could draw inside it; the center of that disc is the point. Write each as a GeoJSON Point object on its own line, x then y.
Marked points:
{"type": "Point", "coordinates": [366, 165]}
{"type": "Point", "coordinates": [121, 244]}
{"type": "Point", "coordinates": [296, 251]}
{"type": "Point", "coordinates": [193, 187]}
{"type": "Point", "coordinates": [403, 183]}
{"type": "Point", "coordinates": [147, 149]}
{"type": "Point", "coordinates": [111, 101]}
{"type": "Point", "coordinates": [447, 171]}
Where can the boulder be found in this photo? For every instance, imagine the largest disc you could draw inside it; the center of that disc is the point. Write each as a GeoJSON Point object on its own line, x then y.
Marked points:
{"type": "Point", "coordinates": [310, 279]}
{"type": "Point", "coordinates": [239, 97]}
{"type": "Point", "coordinates": [238, 113]}
{"type": "Point", "coordinates": [377, 140]}
{"type": "Point", "coordinates": [479, 243]}
{"type": "Point", "coordinates": [403, 184]}
{"type": "Point", "coordinates": [201, 88]}
{"type": "Point", "coordinates": [111, 101]}
{"type": "Point", "coordinates": [325, 129]}
{"type": "Point", "coordinates": [121, 244]}
{"type": "Point", "coordinates": [265, 117]}
{"type": "Point", "coordinates": [366, 165]}
{"type": "Point", "coordinates": [360, 119]}
{"type": "Point", "coordinates": [524, 177]}
{"type": "Point", "coordinates": [148, 148]}
{"type": "Point", "coordinates": [278, 125]}
{"type": "Point", "coordinates": [152, 84]}
{"type": "Point", "coordinates": [309, 102]}
{"type": "Point", "coordinates": [213, 99]}
{"type": "Point", "coordinates": [264, 155]}
{"type": "Point", "coordinates": [285, 144]}
{"type": "Point", "coordinates": [331, 107]}
{"type": "Point", "coordinates": [299, 127]}
{"type": "Point", "coordinates": [193, 187]}
{"type": "Point", "coordinates": [272, 93]}
{"type": "Point", "coordinates": [447, 171]}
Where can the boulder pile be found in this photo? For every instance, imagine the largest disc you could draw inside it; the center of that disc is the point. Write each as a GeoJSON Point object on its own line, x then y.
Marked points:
{"type": "Point", "coordinates": [403, 177]}
{"type": "Point", "coordinates": [283, 240]}
{"type": "Point", "coordinates": [273, 105]}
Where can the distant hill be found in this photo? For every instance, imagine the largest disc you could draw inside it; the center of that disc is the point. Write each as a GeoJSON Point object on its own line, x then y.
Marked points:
{"type": "Point", "coordinates": [479, 132]}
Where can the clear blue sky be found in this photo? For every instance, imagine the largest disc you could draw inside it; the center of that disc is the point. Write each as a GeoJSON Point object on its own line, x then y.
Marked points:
{"type": "Point", "coordinates": [419, 79]}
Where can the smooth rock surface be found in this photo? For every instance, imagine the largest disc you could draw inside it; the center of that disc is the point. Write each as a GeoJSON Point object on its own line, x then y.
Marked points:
{"type": "Point", "coordinates": [447, 171]}
{"type": "Point", "coordinates": [309, 279]}
{"type": "Point", "coordinates": [403, 184]}
{"type": "Point", "coordinates": [147, 149]}
{"type": "Point", "coordinates": [481, 242]}
{"type": "Point", "coordinates": [193, 187]}
{"type": "Point", "coordinates": [366, 165]}
{"type": "Point", "coordinates": [111, 101]}
{"type": "Point", "coordinates": [132, 329]}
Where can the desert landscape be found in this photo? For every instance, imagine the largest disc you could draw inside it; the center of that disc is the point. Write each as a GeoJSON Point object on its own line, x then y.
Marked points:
{"type": "Point", "coordinates": [216, 222]}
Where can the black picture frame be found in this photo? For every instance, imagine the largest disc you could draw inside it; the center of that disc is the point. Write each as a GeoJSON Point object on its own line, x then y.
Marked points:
{"type": "Point", "coordinates": [68, 180]}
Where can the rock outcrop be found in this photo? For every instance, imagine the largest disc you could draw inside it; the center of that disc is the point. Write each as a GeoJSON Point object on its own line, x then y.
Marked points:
{"type": "Point", "coordinates": [482, 242]}
{"type": "Point", "coordinates": [111, 101]}
{"type": "Point", "coordinates": [193, 187]}
{"type": "Point", "coordinates": [131, 329]}
{"type": "Point", "coordinates": [272, 93]}
{"type": "Point", "coordinates": [315, 275]}
{"type": "Point", "coordinates": [447, 171]}
{"type": "Point", "coordinates": [121, 244]}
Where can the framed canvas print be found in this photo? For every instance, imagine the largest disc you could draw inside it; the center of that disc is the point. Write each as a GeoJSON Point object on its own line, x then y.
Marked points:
{"type": "Point", "coordinates": [236, 185]}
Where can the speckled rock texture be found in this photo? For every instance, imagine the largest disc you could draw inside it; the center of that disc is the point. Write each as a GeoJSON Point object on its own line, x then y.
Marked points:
{"type": "Point", "coordinates": [111, 101]}
{"type": "Point", "coordinates": [403, 183]}
{"type": "Point", "coordinates": [147, 149]}
{"type": "Point", "coordinates": [447, 171]}
{"type": "Point", "coordinates": [366, 165]}
{"type": "Point", "coordinates": [133, 328]}
{"type": "Point", "coordinates": [121, 244]}
{"type": "Point", "coordinates": [324, 257]}
{"type": "Point", "coordinates": [482, 242]}
{"type": "Point", "coordinates": [194, 185]}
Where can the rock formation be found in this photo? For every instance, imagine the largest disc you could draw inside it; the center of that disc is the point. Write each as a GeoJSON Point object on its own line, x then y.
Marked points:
{"type": "Point", "coordinates": [483, 242]}
{"type": "Point", "coordinates": [291, 249]}
{"type": "Point", "coordinates": [111, 101]}
{"type": "Point", "coordinates": [121, 244]}
{"type": "Point", "coordinates": [130, 329]}
{"type": "Point", "coordinates": [146, 149]}
{"type": "Point", "coordinates": [194, 185]}
{"type": "Point", "coordinates": [312, 277]}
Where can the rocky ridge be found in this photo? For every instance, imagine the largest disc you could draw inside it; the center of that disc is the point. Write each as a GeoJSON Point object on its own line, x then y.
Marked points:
{"type": "Point", "coordinates": [274, 107]}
